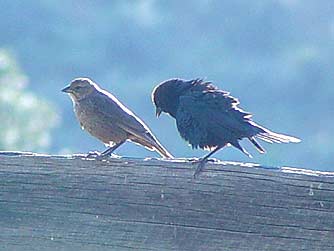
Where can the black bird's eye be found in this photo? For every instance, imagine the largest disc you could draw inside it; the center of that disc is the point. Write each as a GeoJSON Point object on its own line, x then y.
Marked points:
{"type": "Point", "coordinates": [77, 87]}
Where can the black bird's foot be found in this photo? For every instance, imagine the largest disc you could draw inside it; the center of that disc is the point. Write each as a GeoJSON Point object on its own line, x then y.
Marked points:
{"type": "Point", "coordinates": [201, 164]}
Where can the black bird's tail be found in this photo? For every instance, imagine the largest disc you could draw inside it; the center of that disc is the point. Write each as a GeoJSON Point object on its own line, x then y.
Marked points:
{"type": "Point", "coordinates": [257, 145]}
{"type": "Point", "coordinates": [238, 146]}
{"type": "Point", "coordinates": [270, 137]}
{"type": "Point", "coordinates": [273, 137]}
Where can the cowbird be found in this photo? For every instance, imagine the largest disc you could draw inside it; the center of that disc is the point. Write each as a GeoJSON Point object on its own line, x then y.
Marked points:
{"type": "Point", "coordinates": [209, 118]}
{"type": "Point", "coordinates": [107, 119]}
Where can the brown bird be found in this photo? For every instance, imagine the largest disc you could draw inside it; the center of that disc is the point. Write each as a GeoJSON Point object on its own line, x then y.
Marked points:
{"type": "Point", "coordinates": [107, 119]}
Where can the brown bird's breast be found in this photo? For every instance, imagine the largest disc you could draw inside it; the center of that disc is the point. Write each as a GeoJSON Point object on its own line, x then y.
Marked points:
{"type": "Point", "coordinates": [97, 124]}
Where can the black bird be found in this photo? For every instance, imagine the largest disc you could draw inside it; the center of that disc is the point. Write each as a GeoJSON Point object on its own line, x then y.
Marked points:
{"type": "Point", "coordinates": [107, 119]}
{"type": "Point", "coordinates": [209, 118]}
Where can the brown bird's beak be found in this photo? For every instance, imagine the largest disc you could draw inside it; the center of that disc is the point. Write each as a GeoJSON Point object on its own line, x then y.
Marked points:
{"type": "Point", "coordinates": [67, 89]}
{"type": "Point", "coordinates": [158, 111]}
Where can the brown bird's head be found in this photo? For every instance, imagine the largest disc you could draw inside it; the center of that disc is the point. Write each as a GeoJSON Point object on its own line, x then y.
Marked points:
{"type": "Point", "coordinates": [80, 88]}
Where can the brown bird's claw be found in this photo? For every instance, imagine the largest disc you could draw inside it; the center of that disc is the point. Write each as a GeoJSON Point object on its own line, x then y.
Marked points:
{"type": "Point", "coordinates": [94, 154]}
{"type": "Point", "coordinates": [101, 156]}
{"type": "Point", "coordinates": [194, 160]}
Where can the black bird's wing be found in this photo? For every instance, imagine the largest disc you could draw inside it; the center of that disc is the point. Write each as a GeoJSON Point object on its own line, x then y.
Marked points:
{"type": "Point", "coordinates": [211, 118]}
{"type": "Point", "coordinates": [208, 117]}
{"type": "Point", "coordinates": [121, 117]}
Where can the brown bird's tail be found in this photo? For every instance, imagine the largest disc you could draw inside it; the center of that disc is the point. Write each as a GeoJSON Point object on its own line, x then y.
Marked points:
{"type": "Point", "coordinates": [152, 144]}
{"type": "Point", "coordinates": [162, 151]}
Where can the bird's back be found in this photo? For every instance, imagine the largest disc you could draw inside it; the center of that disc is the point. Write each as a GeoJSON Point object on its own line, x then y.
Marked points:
{"type": "Point", "coordinates": [106, 118]}
{"type": "Point", "coordinates": [209, 118]}
{"type": "Point", "coordinates": [97, 118]}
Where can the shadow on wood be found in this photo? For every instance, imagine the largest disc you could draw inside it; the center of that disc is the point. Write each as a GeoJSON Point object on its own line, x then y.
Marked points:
{"type": "Point", "coordinates": [71, 203]}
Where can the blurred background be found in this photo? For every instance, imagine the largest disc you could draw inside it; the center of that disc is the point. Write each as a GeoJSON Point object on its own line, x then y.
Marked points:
{"type": "Point", "coordinates": [276, 56]}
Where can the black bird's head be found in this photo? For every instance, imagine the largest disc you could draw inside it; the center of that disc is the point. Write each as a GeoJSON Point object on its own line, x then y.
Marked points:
{"type": "Point", "coordinates": [79, 88]}
{"type": "Point", "coordinates": [165, 96]}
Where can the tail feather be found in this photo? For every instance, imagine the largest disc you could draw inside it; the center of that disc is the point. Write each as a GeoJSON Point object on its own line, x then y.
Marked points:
{"type": "Point", "coordinates": [237, 145]}
{"type": "Point", "coordinates": [257, 145]}
{"type": "Point", "coordinates": [271, 137]}
{"type": "Point", "coordinates": [162, 151]}
{"type": "Point", "coordinates": [152, 144]}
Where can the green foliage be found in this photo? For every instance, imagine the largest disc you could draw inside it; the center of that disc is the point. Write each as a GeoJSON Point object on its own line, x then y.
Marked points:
{"type": "Point", "coordinates": [26, 120]}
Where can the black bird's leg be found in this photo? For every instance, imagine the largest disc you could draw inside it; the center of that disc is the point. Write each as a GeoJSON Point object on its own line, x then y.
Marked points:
{"type": "Point", "coordinates": [203, 160]}
{"type": "Point", "coordinates": [106, 152]}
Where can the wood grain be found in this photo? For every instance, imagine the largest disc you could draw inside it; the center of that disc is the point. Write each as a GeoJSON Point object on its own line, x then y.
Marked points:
{"type": "Point", "coordinates": [72, 203]}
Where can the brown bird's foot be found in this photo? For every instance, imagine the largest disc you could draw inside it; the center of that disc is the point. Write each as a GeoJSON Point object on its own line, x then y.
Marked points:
{"type": "Point", "coordinates": [194, 160]}
{"type": "Point", "coordinates": [201, 164]}
{"type": "Point", "coordinates": [100, 156]}
{"type": "Point", "coordinates": [94, 154]}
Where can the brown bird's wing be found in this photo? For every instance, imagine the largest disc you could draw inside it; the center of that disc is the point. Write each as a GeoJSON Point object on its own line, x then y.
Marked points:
{"type": "Point", "coordinates": [126, 120]}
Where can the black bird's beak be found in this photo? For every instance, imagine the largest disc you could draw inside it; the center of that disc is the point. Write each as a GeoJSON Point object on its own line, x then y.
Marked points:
{"type": "Point", "coordinates": [158, 111]}
{"type": "Point", "coordinates": [66, 89]}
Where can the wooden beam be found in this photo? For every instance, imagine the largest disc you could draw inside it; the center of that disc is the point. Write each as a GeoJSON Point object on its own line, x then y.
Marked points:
{"type": "Point", "coordinates": [72, 203]}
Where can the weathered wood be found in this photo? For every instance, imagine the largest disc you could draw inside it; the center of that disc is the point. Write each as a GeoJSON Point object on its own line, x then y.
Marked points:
{"type": "Point", "coordinates": [64, 203]}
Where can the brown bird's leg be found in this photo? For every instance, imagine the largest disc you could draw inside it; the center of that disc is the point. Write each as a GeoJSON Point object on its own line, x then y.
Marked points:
{"type": "Point", "coordinates": [202, 161]}
{"type": "Point", "coordinates": [106, 152]}
{"type": "Point", "coordinates": [110, 150]}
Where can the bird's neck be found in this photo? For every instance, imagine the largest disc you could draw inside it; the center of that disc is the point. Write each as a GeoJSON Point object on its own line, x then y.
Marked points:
{"type": "Point", "coordinates": [172, 107]}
